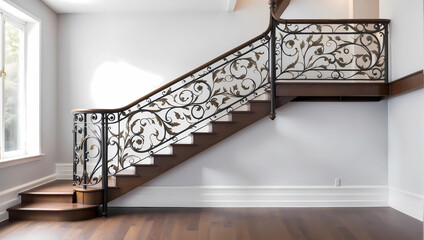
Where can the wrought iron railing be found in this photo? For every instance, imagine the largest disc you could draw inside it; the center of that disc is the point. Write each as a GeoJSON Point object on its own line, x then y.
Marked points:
{"type": "Point", "coordinates": [107, 142]}
{"type": "Point", "coordinates": [332, 50]}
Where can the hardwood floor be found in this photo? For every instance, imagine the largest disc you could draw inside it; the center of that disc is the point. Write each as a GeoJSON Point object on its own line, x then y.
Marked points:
{"type": "Point", "coordinates": [227, 223]}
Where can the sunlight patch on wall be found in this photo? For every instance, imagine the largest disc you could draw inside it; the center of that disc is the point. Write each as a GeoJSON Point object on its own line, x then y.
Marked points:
{"type": "Point", "coordinates": [116, 84]}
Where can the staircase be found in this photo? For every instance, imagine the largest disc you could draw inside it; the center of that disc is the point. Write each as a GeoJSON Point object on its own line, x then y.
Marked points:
{"type": "Point", "coordinates": [290, 61]}
{"type": "Point", "coordinates": [56, 201]}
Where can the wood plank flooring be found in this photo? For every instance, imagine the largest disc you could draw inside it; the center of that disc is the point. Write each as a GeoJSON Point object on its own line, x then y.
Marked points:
{"type": "Point", "coordinates": [227, 223]}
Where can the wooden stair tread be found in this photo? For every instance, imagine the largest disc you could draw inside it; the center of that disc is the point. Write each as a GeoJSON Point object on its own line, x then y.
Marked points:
{"type": "Point", "coordinates": [48, 193]}
{"type": "Point", "coordinates": [203, 133]}
{"type": "Point", "coordinates": [58, 187]}
{"type": "Point", "coordinates": [52, 212]}
{"type": "Point", "coordinates": [51, 207]}
{"type": "Point", "coordinates": [164, 155]}
{"type": "Point", "coordinates": [146, 165]}
{"type": "Point", "coordinates": [127, 175]}
{"type": "Point", "coordinates": [242, 112]}
{"type": "Point", "coordinates": [184, 145]}
{"type": "Point", "coordinates": [259, 101]}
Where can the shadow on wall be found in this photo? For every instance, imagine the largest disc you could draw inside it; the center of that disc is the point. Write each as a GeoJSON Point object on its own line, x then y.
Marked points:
{"type": "Point", "coordinates": [117, 83]}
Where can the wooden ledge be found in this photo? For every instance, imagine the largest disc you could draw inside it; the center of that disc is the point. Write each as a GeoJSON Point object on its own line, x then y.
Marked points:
{"type": "Point", "coordinates": [329, 89]}
{"type": "Point", "coordinates": [406, 84]}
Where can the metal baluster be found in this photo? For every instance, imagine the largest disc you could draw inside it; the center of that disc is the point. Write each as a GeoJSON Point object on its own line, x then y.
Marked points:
{"type": "Point", "coordinates": [84, 156]}
{"type": "Point", "coordinates": [74, 163]}
{"type": "Point", "coordinates": [386, 52]}
{"type": "Point", "coordinates": [272, 71]}
{"type": "Point", "coordinates": [104, 162]}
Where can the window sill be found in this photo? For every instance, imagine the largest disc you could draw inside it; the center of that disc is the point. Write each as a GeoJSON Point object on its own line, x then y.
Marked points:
{"type": "Point", "coordinates": [13, 161]}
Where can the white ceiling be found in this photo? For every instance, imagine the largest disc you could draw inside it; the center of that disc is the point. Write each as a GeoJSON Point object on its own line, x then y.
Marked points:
{"type": "Point", "coordinates": [92, 6]}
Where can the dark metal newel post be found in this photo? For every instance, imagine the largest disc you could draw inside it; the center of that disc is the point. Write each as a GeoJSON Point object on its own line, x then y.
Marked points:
{"type": "Point", "coordinates": [386, 52]}
{"type": "Point", "coordinates": [104, 163]}
{"type": "Point", "coordinates": [84, 154]}
{"type": "Point", "coordinates": [272, 71]}
{"type": "Point", "coordinates": [74, 155]}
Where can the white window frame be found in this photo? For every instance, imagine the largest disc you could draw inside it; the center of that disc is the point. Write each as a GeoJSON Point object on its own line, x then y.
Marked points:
{"type": "Point", "coordinates": [31, 63]}
{"type": "Point", "coordinates": [5, 17]}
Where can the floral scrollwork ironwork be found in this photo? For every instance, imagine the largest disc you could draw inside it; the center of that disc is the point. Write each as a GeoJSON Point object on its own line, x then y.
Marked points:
{"type": "Point", "coordinates": [167, 116]}
{"type": "Point", "coordinates": [347, 51]}
{"type": "Point", "coordinates": [87, 149]}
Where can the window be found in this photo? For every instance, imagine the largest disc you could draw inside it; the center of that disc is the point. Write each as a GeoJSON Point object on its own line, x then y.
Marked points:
{"type": "Point", "coordinates": [12, 98]}
{"type": "Point", "coordinates": [20, 85]}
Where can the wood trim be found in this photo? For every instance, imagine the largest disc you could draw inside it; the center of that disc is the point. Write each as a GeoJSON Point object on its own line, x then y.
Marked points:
{"type": "Point", "coordinates": [406, 84]}
{"type": "Point", "coordinates": [332, 21]}
{"type": "Point", "coordinates": [52, 212]}
{"type": "Point", "coordinates": [337, 99]}
{"type": "Point", "coordinates": [320, 89]}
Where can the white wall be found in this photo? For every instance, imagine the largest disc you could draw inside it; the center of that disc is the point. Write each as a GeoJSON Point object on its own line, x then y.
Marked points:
{"type": "Point", "coordinates": [333, 9]}
{"type": "Point", "coordinates": [24, 173]}
{"type": "Point", "coordinates": [365, 8]}
{"type": "Point", "coordinates": [108, 60]}
{"type": "Point", "coordinates": [309, 144]}
{"type": "Point", "coordinates": [405, 112]}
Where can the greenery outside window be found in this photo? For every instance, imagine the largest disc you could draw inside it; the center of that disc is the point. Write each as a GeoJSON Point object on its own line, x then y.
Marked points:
{"type": "Point", "coordinates": [20, 61]}
{"type": "Point", "coordinates": [12, 97]}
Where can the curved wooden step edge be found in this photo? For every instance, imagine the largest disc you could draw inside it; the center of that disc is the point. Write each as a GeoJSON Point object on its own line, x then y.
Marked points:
{"type": "Point", "coordinates": [90, 196]}
{"type": "Point", "coordinates": [52, 212]}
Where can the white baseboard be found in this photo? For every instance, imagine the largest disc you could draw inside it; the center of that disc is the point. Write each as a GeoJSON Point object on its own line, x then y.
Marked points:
{"type": "Point", "coordinates": [64, 171]}
{"type": "Point", "coordinates": [246, 196]}
{"type": "Point", "coordinates": [242, 196]}
{"type": "Point", "coordinates": [10, 197]}
{"type": "Point", "coordinates": [254, 196]}
{"type": "Point", "coordinates": [407, 202]}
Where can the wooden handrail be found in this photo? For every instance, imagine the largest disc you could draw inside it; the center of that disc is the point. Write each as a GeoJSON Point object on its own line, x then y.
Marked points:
{"type": "Point", "coordinates": [331, 21]}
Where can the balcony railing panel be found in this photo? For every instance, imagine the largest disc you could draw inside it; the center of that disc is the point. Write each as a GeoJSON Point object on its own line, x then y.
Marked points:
{"type": "Point", "coordinates": [338, 51]}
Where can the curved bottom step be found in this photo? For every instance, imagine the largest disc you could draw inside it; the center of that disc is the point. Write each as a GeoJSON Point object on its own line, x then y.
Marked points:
{"type": "Point", "coordinates": [52, 212]}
